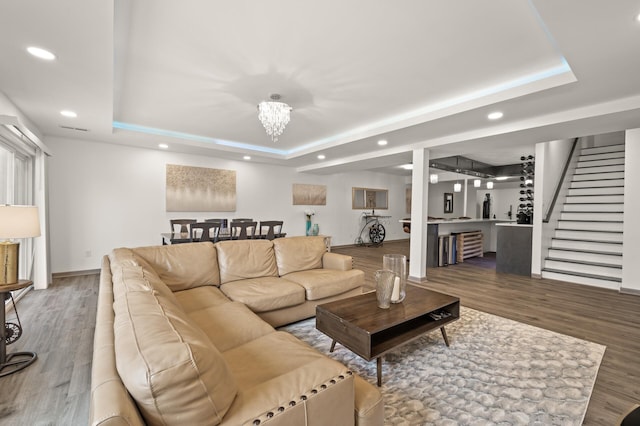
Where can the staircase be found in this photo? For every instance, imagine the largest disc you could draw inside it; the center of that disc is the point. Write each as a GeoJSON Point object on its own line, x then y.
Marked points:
{"type": "Point", "coordinates": [587, 245]}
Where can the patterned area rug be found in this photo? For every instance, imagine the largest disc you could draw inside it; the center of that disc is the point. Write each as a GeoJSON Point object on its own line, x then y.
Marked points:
{"type": "Point", "coordinates": [496, 372]}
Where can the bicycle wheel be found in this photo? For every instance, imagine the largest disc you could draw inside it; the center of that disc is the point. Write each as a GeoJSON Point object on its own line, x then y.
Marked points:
{"type": "Point", "coordinates": [376, 233]}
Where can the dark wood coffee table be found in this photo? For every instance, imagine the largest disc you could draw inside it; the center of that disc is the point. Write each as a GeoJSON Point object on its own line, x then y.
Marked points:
{"type": "Point", "coordinates": [359, 325]}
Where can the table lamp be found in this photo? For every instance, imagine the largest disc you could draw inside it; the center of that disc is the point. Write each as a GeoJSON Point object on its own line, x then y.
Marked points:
{"type": "Point", "coordinates": [15, 222]}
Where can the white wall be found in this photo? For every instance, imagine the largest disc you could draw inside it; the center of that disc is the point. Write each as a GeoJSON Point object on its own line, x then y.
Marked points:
{"type": "Point", "coordinates": [104, 196]}
{"type": "Point", "coordinates": [436, 200]}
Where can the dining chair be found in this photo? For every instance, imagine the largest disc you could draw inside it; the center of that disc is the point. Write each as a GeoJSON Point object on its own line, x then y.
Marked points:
{"type": "Point", "coordinates": [243, 230]}
{"type": "Point", "coordinates": [205, 233]}
{"type": "Point", "coordinates": [269, 229]}
{"type": "Point", "coordinates": [185, 224]}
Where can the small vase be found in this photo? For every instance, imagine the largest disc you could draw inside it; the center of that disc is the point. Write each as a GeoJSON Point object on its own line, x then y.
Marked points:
{"type": "Point", "coordinates": [308, 227]}
{"type": "Point", "coordinates": [397, 263]}
{"type": "Point", "coordinates": [315, 229]}
{"type": "Point", "coordinates": [384, 287]}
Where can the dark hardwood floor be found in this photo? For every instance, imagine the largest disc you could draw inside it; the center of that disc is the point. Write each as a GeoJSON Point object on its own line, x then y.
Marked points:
{"type": "Point", "coordinates": [59, 322]}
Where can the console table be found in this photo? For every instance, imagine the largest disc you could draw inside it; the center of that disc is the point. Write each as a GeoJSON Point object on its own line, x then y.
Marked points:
{"type": "Point", "coordinates": [11, 363]}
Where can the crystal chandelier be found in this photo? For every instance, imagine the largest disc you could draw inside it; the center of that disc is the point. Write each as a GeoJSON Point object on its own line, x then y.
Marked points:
{"type": "Point", "coordinates": [274, 116]}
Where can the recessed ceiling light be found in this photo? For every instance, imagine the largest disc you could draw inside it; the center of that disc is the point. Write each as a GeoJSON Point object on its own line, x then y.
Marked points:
{"type": "Point", "coordinates": [502, 177]}
{"type": "Point", "coordinates": [382, 142]}
{"type": "Point", "coordinates": [67, 113]}
{"type": "Point", "coordinates": [408, 166]}
{"type": "Point", "coordinates": [321, 157]}
{"type": "Point", "coordinates": [246, 157]}
{"type": "Point", "coordinates": [495, 115]}
{"type": "Point", "coordinates": [163, 146]}
{"type": "Point", "coordinates": [41, 53]}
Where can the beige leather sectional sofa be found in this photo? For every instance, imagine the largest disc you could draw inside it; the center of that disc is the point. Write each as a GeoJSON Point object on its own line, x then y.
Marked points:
{"type": "Point", "coordinates": [185, 336]}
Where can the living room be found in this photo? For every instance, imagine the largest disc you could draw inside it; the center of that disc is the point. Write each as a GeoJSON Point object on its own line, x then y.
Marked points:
{"type": "Point", "coordinates": [105, 187]}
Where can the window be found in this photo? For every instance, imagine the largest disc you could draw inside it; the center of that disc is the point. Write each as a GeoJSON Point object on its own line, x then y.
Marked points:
{"type": "Point", "coordinates": [16, 187]}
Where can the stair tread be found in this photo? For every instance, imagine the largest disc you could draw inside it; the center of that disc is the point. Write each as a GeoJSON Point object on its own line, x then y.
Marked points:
{"type": "Point", "coordinates": [582, 274]}
{"type": "Point", "coordinates": [591, 211]}
{"type": "Point", "coordinates": [586, 241]}
{"type": "Point", "coordinates": [594, 202]}
{"type": "Point", "coordinates": [589, 221]}
{"type": "Point", "coordinates": [596, 180]}
{"type": "Point", "coordinates": [606, 253]}
{"type": "Point", "coordinates": [588, 230]}
{"type": "Point", "coordinates": [618, 157]}
{"type": "Point", "coordinates": [583, 262]}
{"type": "Point", "coordinates": [598, 187]}
{"type": "Point", "coordinates": [600, 173]}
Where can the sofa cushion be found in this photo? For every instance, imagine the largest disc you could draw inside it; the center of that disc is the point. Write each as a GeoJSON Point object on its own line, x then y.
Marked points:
{"type": "Point", "coordinates": [265, 294]}
{"type": "Point", "coordinates": [183, 266]}
{"type": "Point", "coordinates": [242, 259]}
{"type": "Point", "coordinates": [230, 324]}
{"type": "Point", "coordinates": [198, 298]}
{"type": "Point", "coordinates": [295, 254]}
{"type": "Point", "coordinates": [169, 366]}
{"type": "Point", "coordinates": [127, 277]}
{"type": "Point", "coordinates": [321, 283]}
{"type": "Point", "coordinates": [274, 370]}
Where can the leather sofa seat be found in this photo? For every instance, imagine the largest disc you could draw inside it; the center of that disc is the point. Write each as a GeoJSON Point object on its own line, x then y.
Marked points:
{"type": "Point", "coordinates": [265, 294]}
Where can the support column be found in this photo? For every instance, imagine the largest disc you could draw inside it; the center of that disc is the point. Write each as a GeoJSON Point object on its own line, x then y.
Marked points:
{"type": "Point", "coordinates": [419, 204]}
{"type": "Point", "coordinates": [631, 235]}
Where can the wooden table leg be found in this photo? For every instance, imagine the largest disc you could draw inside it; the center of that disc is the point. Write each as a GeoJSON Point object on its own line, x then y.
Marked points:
{"type": "Point", "coordinates": [444, 335]}
{"type": "Point", "coordinates": [333, 346]}
{"type": "Point", "coordinates": [379, 368]}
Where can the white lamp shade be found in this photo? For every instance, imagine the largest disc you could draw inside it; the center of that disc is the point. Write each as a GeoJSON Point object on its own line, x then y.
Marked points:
{"type": "Point", "coordinates": [19, 222]}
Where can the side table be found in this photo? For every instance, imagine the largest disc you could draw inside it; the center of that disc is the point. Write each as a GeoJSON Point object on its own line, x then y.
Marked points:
{"type": "Point", "coordinates": [10, 363]}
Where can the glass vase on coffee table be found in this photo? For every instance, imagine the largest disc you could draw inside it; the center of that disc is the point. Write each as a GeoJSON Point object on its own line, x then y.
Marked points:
{"type": "Point", "coordinates": [384, 287]}
{"type": "Point", "coordinates": [397, 263]}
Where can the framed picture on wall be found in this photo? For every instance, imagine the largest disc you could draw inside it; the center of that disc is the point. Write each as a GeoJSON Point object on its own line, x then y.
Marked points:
{"type": "Point", "coordinates": [448, 202]}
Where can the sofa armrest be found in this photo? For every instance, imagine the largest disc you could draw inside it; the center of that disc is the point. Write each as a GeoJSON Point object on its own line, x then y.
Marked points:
{"type": "Point", "coordinates": [340, 262]}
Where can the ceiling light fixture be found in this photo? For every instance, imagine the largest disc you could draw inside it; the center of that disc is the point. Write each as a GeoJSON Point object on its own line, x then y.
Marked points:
{"type": "Point", "coordinates": [495, 115]}
{"type": "Point", "coordinates": [382, 142]}
{"type": "Point", "coordinates": [274, 116]}
{"type": "Point", "coordinates": [41, 53]}
{"type": "Point", "coordinates": [489, 185]}
{"type": "Point", "coordinates": [163, 146]}
{"type": "Point", "coordinates": [502, 177]}
{"type": "Point", "coordinates": [321, 157]}
{"type": "Point", "coordinates": [408, 166]}
{"type": "Point", "coordinates": [246, 157]}
{"type": "Point", "coordinates": [477, 183]}
{"type": "Point", "coordinates": [433, 178]}
{"type": "Point", "coordinates": [457, 187]}
{"type": "Point", "coordinates": [68, 113]}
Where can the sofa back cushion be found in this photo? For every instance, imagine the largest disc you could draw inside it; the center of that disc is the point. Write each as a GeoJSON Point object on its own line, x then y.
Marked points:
{"type": "Point", "coordinates": [242, 259]}
{"type": "Point", "coordinates": [295, 254]}
{"type": "Point", "coordinates": [183, 266]}
{"type": "Point", "coordinates": [130, 277]}
{"type": "Point", "coordinates": [168, 365]}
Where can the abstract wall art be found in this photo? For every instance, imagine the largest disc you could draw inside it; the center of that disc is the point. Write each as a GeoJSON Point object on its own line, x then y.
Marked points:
{"type": "Point", "coordinates": [309, 195]}
{"type": "Point", "coordinates": [200, 189]}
